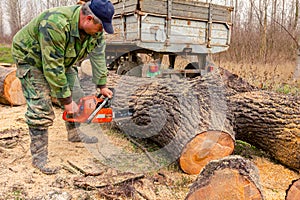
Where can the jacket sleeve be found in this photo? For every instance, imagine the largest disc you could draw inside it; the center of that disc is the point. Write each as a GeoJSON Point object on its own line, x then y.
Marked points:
{"type": "Point", "coordinates": [52, 40]}
{"type": "Point", "coordinates": [98, 62]}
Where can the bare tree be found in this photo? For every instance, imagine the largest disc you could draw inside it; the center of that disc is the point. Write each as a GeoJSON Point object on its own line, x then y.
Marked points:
{"type": "Point", "coordinates": [263, 13]}
{"type": "Point", "coordinates": [1, 23]}
{"type": "Point", "coordinates": [14, 13]}
{"type": "Point", "coordinates": [250, 13]}
{"type": "Point", "coordinates": [296, 19]}
{"type": "Point", "coordinates": [283, 13]}
{"type": "Point", "coordinates": [274, 14]}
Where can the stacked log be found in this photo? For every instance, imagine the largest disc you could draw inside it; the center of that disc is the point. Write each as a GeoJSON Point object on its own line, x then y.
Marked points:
{"type": "Point", "coordinates": [10, 87]}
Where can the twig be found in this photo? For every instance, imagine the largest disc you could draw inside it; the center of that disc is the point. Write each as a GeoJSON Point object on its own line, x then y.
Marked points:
{"type": "Point", "coordinates": [76, 167]}
{"type": "Point", "coordinates": [20, 157]}
{"type": "Point", "coordinates": [141, 194]}
{"type": "Point", "coordinates": [91, 182]}
{"type": "Point", "coordinates": [69, 169]}
{"type": "Point", "coordinates": [85, 173]}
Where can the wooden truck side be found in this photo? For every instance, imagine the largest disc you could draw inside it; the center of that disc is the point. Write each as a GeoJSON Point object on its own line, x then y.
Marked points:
{"type": "Point", "coordinates": [167, 27]}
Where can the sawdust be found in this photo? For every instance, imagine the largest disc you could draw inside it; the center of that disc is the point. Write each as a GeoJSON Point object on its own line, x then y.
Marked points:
{"type": "Point", "coordinates": [19, 180]}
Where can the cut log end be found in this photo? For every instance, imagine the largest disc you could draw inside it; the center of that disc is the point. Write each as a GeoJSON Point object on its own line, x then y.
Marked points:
{"type": "Point", "coordinates": [207, 146]}
{"type": "Point", "coordinates": [227, 184]}
{"type": "Point", "coordinates": [232, 177]}
{"type": "Point", "coordinates": [11, 89]}
{"type": "Point", "coordinates": [293, 193]}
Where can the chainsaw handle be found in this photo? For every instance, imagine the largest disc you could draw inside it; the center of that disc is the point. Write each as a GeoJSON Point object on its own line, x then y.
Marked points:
{"type": "Point", "coordinates": [99, 95]}
{"type": "Point", "coordinates": [94, 113]}
{"type": "Point", "coordinates": [69, 117]}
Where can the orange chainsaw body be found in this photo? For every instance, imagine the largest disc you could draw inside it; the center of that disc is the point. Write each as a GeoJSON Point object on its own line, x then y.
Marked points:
{"type": "Point", "coordinates": [87, 106]}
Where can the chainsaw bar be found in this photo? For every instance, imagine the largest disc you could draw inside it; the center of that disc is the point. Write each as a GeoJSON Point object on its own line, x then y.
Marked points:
{"type": "Point", "coordinates": [123, 113]}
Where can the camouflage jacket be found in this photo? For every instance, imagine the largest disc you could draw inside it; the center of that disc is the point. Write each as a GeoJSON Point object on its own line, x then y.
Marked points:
{"type": "Point", "coordinates": [51, 42]}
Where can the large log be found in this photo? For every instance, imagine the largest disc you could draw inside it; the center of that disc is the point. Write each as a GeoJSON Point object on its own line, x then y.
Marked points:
{"type": "Point", "coordinates": [269, 121]}
{"type": "Point", "coordinates": [293, 192]}
{"type": "Point", "coordinates": [228, 178]}
{"type": "Point", "coordinates": [10, 87]}
{"type": "Point", "coordinates": [187, 118]}
{"type": "Point", "coordinates": [169, 109]}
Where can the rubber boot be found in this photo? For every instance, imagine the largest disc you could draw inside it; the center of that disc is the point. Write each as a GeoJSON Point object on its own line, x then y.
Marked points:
{"type": "Point", "coordinates": [76, 135]}
{"type": "Point", "coordinates": [39, 151]}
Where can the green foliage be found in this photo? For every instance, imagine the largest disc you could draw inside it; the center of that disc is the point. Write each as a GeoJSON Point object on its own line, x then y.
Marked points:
{"type": "Point", "coordinates": [288, 89]}
{"type": "Point", "coordinates": [184, 181]}
{"type": "Point", "coordinates": [247, 150]}
{"type": "Point", "coordinates": [5, 54]}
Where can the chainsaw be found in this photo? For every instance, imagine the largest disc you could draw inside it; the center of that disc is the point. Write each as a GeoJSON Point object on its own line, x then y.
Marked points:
{"type": "Point", "coordinates": [96, 109]}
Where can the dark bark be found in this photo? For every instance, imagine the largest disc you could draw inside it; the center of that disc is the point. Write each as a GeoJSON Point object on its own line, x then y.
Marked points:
{"type": "Point", "coordinates": [269, 121]}
{"type": "Point", "coordinates": [187, 118]}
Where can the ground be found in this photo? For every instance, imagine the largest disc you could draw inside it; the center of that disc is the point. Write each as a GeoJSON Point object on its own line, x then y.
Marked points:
{"type": "Point", "coordinates": [19, 180]}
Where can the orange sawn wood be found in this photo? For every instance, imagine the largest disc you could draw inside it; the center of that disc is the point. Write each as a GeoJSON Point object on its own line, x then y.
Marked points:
{"type": "Point", "coordinates": [10, 87]}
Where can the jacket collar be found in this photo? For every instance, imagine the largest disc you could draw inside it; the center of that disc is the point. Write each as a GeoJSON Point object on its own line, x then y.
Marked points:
{"type": "Point", "coordinates": [75, 21]}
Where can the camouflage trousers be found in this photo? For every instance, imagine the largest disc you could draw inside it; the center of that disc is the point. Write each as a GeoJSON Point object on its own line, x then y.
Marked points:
{"type": "Point", "coordinates": [36, 90]}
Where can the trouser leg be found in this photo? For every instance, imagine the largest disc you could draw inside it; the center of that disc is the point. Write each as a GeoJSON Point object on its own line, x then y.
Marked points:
{"type": "Point", "coordinates": [39, 116]}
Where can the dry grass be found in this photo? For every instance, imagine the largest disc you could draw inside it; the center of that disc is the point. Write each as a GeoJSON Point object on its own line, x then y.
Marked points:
{"type": "Point", "coordinates": [272, 77]}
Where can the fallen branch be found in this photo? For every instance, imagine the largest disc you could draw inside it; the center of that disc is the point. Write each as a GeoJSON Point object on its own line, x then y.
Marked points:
{"type": "Point", "coordinates": [90, 182]}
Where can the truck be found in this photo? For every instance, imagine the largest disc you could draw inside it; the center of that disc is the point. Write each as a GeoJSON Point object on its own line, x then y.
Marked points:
{"type": "Point", "coordinates": [193, 29]}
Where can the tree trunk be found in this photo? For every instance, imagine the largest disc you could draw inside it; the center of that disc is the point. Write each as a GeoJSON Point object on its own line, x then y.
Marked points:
{"type": "Point", "coordinates": [269, 121]}
{"type": "Point", "coordinates": [229, 178]}
{"type": "Point", "coordinates": [10, 87]}
{"type": "Point", "coordinates": [187, 119]}
{"type": "Point", "coordinates": [296, 76]}
{"type": "Point", "coordinates": [190, 119]}
{"type": "Point", "coordinates": [293, 192]}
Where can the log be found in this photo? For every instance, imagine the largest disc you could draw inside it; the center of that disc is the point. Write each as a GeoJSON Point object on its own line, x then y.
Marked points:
{"type": "Point", "coordinates": [271, 122]}
{"type": "Point", "coordinates": [187, 118]}
{"type": "Point", "coordinates": [10, 87]}
{"type": "Point", "coordinates": [174, 112]}
{"type": "Point", "coordinates": [293, 192]}
{"type": "Point", "coordinates": [232, 177]}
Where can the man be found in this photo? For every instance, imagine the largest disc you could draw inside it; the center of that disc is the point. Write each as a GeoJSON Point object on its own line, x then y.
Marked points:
{"type": "Point", "coordinates": [45, 51]}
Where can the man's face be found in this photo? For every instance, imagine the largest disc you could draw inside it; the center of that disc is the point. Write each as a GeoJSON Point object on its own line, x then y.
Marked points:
{"type": "Point", "coordinates": [90, 27]}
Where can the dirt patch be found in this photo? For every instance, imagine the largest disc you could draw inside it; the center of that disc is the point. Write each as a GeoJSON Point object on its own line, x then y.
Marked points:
{"type": "Point", "coordinates": [19, 180]}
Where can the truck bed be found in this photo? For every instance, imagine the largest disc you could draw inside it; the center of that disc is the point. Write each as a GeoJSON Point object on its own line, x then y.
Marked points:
{"type": "Point", "coordinates": [176, 26]}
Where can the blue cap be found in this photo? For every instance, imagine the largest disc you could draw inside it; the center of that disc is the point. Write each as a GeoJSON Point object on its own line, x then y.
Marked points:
{"type": "Point", "coordinates": [104, 10]}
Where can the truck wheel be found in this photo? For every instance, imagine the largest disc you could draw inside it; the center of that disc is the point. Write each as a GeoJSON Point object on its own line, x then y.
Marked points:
{"type": "Point", "coordinates": [129, 68]}
{"type": "Point", "coordinates": [192, 65]}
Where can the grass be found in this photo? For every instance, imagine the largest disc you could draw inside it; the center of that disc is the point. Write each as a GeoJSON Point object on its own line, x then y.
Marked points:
{"type": "Point", "coordinates": [5, 54]}
{"type": "Point", "coordinates": [247, 150]}
{"type": "Point", "coordinates": [277, 78]}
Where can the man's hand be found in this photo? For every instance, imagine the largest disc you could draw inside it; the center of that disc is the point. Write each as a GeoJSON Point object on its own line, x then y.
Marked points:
{"type": "Point", "coordinates": [71, 107]}
{"type": "Point", "coordinates": [106, 92]}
